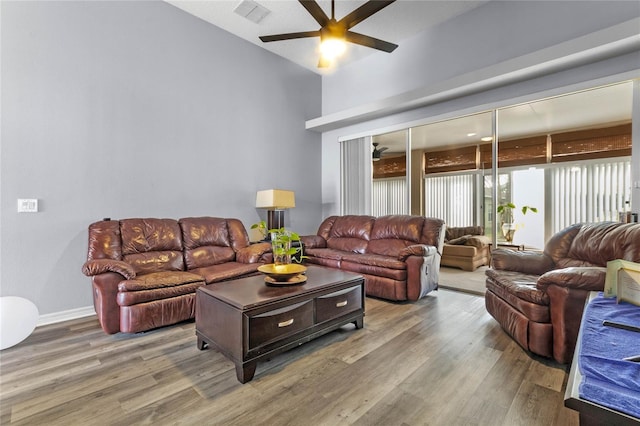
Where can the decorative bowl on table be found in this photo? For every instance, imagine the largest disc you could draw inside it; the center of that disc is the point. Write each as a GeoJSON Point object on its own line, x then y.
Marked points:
{"type": "Point", "coordinates": [290, 273]}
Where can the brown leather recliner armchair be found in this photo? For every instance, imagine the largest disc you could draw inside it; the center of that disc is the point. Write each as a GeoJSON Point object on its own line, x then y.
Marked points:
{"type": "Point", "coordinates": [538, 298]}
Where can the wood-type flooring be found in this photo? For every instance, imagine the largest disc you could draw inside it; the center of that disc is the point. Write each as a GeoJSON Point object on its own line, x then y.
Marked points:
{"type": "Point", "coordinates": [439, 361]}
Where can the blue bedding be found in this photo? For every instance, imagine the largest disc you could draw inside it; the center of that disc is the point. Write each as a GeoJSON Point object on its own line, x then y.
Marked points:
{"type": "Point", "coordinates": [607, 379]}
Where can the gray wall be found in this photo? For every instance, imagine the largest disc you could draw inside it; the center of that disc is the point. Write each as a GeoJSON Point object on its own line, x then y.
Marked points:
{"type": "Point", "coordinates": [479, 39]}
{"type": "Point", "coordinates": [492, 33]}
{"type": "Point", "coordinates": [137, 109]}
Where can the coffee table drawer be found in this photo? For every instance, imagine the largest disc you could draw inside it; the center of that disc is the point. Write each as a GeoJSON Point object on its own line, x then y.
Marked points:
{"type": "Point", "coordinates": [279, 323]}
{"type": "Point", "coordinates": [336, 304]}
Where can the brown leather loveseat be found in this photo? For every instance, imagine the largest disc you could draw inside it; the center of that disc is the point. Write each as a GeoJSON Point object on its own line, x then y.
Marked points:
{"type": "Point", "coordinates": [398, 255]}
{"type": "Point", "coordinates": [145, 272]}
{"type": "Point", "coordinates": [538, 298]}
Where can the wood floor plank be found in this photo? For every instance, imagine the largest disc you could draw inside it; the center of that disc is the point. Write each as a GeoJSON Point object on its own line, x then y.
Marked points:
{"type": "Point", "coordinates": [438, 361]}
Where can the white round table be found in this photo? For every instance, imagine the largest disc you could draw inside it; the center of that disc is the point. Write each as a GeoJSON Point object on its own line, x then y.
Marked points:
{"type": "Point", "coordinates": [18, 318]}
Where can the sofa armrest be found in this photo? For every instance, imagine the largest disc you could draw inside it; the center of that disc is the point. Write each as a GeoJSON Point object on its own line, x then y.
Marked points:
{"type": "Point", "coordinates": [101, 266]}
{"type": "Point", "coordinates": [423, 270]}
{"type": "Point", "coordinates": [105, 290]}
{"type": "Point", "coordinates": [253, 253]}
{"type": "Point", "coordinates": [590, 278]}
{"type": "Point", "coordinates": [313, 241]}
{"type": "Point", "coordinates": [528, 262]}
{"type": "Point", "coordinates": [416, 250]}
{"type": "Point", "coordinates": [568, 288]}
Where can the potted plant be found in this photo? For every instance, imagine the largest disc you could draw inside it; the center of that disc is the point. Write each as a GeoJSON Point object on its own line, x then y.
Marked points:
{"type": "Point", "coordinates": [281, 243]}
{"type": "Point", "coordinates": [262, 228]}
{"type": "Point", "coordinates": [506, 213]}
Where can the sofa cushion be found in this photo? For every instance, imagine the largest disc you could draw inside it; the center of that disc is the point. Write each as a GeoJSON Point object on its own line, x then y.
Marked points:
{"type": "Point", "coordinates": [226, 271]}
{"type": "Point", "coordinates": [350, 233]}
{"type": "Point", "coordinates": [375, 260]}
{"type": "Point", "coordinates": [208, 255]}
{"type": "Point", "coordinates": [391, 234]}
{"type": "Point", "coordinates": [144, 235]}
{"type": "Point", "coordinates": [596, 244]}
{"type": "Point", "coordinates": [206, 241]}
{"type": "Point", "coordinates": [510, 294]}
{"type": "Point", "coordinates": [313, 241]}
{"type": "Point", "coordinates": [479, 241]}
{"type": "Point", "coordinates": [105, 241]}
{"type": "Point", "coordinates": [204, 231]}
{"type": "Point", "coordinates": [152, 245]}
{"type": "Point", "coordinates": [155, 261]}
{"type": "Point", "coordinates": [159, 280]}
{"type": "Point", "coordinates": [455, 232]}
{"type": "Point", "coordinates": [325, 253]}
{"type": "Point", "coordinates": [459, 240]}
{"type": "Point", "coordinates": [520, 285]}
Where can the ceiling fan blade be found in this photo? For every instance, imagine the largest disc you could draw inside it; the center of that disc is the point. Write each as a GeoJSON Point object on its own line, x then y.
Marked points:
{"type": "Point", "coordinates": [372, 42]}
{"type": "Point", "coordinates": [383, 149]}
{"type": "Point", "coordinates": [316, 11]}
{"type": "Point", "coordinates": [289, 36]}
{"type": "Point", "coordinates": [363, 12]}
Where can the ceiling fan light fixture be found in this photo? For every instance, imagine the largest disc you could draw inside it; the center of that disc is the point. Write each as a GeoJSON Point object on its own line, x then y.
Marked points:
{"type": "Point", "coordinates": [334, 34]}
{"type": "Point", "coordinates": [332, 47]}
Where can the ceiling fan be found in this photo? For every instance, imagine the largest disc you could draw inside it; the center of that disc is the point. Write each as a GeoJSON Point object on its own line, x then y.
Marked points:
{"type": "Point", "coordinates": [334, 33]}
{"type": "Point", "coordinates": [377, 153]}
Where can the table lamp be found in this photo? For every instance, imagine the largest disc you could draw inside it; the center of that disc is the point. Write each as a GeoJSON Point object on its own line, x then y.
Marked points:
{"type": "Point", "coordinates": [275, 201]}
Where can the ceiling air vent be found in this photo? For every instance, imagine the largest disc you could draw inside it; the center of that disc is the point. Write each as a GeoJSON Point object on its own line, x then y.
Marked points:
{"type": "Point", "coordinates": [251, 10]}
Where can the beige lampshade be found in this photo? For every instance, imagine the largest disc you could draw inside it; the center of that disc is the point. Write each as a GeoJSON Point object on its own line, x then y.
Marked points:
{"type": "Point", "coordinates": [276, 199]}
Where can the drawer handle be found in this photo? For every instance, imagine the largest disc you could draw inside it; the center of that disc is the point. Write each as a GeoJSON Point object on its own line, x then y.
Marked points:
{"type": "Point", "coordinates": [341, 304]}
{"type": "Point", "coordinates": [285, 323]}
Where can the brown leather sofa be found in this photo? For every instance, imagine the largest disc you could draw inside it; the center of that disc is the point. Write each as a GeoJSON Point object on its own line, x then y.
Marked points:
{"type": "Point", "coordinates": [398, 255]}
{"type": "Point", "coordinates": [538, 298]}
{"type": "Point", "coordinates": [466, 248]}
{"type": "Point", "coordinates": [145, 272]}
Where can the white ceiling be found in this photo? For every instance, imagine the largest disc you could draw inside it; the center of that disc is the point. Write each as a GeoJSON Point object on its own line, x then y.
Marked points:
{"type": "Point", "coordinates": [401, 20]}
{"type": "Point", "coordinates": [601, 107]}
{"type": "Point", "coordinates": [394, 23]}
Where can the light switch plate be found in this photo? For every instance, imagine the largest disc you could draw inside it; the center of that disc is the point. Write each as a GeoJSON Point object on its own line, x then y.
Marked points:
{"type": "Point", "coordinates": [27, 205]}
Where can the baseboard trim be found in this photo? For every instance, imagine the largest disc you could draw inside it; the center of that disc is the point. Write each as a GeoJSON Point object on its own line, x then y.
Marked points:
{"type": "Point", "coordinates": [71, 314]}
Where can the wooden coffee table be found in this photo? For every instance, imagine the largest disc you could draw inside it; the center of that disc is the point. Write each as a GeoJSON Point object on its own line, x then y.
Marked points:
{"type": "Point", "coordinates": [249, 321]}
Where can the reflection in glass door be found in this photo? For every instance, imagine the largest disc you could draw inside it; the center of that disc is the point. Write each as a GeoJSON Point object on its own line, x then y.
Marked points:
{"type": "Point", "coordinates": [389, 187]}
{"type": "Point", "coordinates": [452, 175]}
{"type": "Point", "coordinates": [566, 156]}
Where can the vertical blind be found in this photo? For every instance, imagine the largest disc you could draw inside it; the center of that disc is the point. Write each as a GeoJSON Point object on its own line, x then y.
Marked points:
{"type": "Point", "coordinates": [355, 173]}
{"type": "Point", "coordinates": [451, 198]}
{"type": "Point", "coordinates": [589, 192]}
{"type": "Point", "coordinates": [388, 196]}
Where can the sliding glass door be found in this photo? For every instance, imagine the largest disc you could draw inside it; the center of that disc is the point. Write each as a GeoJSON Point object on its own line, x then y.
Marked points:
{"type": "Point", "coordinates": [560, 161]}
{"type": "Point", "coordinates": [564, 160]}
